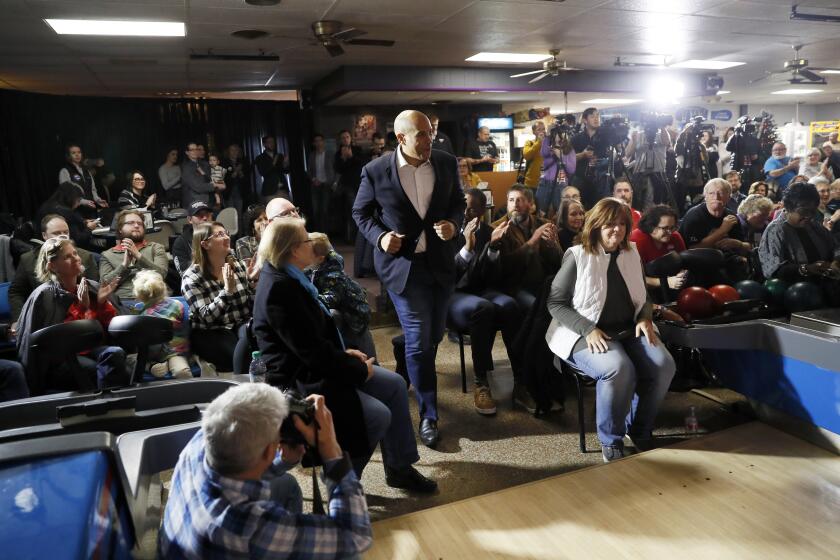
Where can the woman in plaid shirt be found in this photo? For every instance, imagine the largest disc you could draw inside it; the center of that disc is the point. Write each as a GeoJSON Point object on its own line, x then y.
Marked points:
{"type": "Point", "coordinates": [219, 294]}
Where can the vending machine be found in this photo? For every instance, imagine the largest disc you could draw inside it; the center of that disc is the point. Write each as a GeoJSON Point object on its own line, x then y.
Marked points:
{"type": "Point", "coordinates": [501, 133]}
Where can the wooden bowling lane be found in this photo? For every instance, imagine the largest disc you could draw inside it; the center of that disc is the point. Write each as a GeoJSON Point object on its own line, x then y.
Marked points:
{"type": "Point", "coordinates": [747, 492]}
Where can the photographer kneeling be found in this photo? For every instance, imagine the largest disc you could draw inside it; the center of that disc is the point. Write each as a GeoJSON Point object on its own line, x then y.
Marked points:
{"type": "Point", "coordinates": [231, 494]}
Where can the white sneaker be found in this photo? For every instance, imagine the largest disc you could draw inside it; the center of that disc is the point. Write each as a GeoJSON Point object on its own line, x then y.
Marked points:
{"type": "Point", "coordinates": [159, 370]}
{"type": "Point", "coordinates": [207, 369]}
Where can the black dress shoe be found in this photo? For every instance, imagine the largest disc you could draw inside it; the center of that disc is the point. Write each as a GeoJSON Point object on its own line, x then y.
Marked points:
{"type": "Point", "coordinates": [409, 478]}
{"type": "Point", "coordinates": [429, 434]}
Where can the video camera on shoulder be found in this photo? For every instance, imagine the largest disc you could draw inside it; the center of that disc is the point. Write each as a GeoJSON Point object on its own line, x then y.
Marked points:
{"type": "Point", "coordinates": [564, 128]}
{"type": "Point", "coordinates": [653, 123]}
{"type": "Point", "coordinates": [746, 125]}
{"type": "Point", "coordinates": [297, 407]}
{"type": "Point", "coordinates": [696, 126]}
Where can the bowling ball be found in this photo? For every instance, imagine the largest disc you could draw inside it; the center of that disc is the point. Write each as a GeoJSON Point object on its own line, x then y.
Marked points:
{"type": "Point", "coordinates": [696, 302]}
{"type": "Point", "coordinates": [750, 289]}
{"type": "Point", "coordinates": [777, 288]}
{"type": "Point", "coordinates": [723, 293]}
{"type": "Point", "coordinates": [803, 296]}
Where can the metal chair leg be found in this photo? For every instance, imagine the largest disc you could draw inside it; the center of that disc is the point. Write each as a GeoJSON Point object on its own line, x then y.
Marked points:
{"type": "Point", "coordinates": [463, 363]}
{"type": "Point", "coordinates": [581, 425]}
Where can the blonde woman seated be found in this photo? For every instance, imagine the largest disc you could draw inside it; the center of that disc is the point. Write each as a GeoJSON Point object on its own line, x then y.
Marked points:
{"type": "Point", "coordinates": [64, 296]}
{"type": "Point", "coordinates": [173, 356]}
{"type": "Point", "coordinates": [601, 324]}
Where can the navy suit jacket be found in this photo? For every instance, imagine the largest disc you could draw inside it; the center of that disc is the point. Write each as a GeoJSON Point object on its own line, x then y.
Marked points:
{"type": "Point", "coordinates": [382, 206]}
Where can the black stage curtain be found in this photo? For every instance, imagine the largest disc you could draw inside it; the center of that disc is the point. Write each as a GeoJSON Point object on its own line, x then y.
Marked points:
{"type": "Point", "coordinates": [131, 133]}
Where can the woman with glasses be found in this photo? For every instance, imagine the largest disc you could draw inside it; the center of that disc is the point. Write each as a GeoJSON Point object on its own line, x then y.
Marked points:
{"type": "Point", "coordinates": [303, 350]}
{"type": "Point", "coordinates": [65, 296]}
{"type": "Point", "coordinates": [135, 196]}
{"type": "Point", "coordinates": [468, 178]}
{"type": "Point", "coordinates": [797, 245]}
{"type": "Point", "coordinates": [601, 323]}
{"type": "Point", "coordinates": [656, 236]}
{"type": "Point", "coordinates": [219, 295]}
{"type": "Point", "coordinates": [255, 222]}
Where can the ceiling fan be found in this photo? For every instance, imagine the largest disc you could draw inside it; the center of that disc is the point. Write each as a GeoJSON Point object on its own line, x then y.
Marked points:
{"type": "Point", "coordinates": [330, 35]}
{"type": "Point", "coordinates": [801, 72]}
{"type": "Point", "coordinates": [551, 67]}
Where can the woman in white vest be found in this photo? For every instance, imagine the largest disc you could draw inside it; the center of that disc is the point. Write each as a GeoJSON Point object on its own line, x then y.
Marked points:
{"type": "Point", "coordinates": [601, 324]}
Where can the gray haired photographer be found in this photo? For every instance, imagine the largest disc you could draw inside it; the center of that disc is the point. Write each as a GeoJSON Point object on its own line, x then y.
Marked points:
{"type": "Point", "coordinates": [231, 493]}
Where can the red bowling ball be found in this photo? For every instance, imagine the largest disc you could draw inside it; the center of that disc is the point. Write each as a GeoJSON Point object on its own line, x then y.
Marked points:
{"type": "Point", "coordinates": [697, 302]}
{"type": "Point", "coordinates": [723, 293]}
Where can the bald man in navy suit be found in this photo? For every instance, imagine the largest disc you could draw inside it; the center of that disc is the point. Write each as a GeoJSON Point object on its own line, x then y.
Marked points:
{"type": "Point", "coordinates": [410, 206]}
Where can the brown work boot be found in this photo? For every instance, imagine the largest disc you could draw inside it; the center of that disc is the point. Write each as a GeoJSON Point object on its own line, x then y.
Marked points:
{"type": "Point", "coordinates": [484, 403]}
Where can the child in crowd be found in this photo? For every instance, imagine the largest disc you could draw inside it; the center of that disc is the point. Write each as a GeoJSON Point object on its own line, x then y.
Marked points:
{"type": "Point", "coordinates": [217, 177]}
{"type": "Point", "coordinates": [342, 295]}
{"type": "Point", "coordinates": [150, 291]}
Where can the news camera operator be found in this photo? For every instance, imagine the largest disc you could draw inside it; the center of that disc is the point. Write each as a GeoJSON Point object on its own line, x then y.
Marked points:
{"type": "Point", "coordinates": [744, 147]}
{"type": "Point", "coordinates": [692, 162]}
{"type": "Point", "coordinates": [597, 162]}
{"type": "Point", "coordinates": [648, 150]}
{"type": "Point", "coordinates": [558, 166]}
{"type": "Point", "coordinates": [232, 496]}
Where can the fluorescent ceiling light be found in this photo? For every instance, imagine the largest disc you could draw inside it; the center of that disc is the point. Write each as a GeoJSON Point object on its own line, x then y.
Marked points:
{"type": "Point", "coordinates": [723, 91]}
{"type": "Point", "coordinates": [795, 91]}
{"type": "Point", "coordinates": [608, 101]}
{"type": "Point", "coordinates": [706, 64]}
{"type": "Point", "coordinates": [829, 71]}
{"type": "Point", "coordinates": [118, 28]}
{"type": "Point", "coordinates": [507, 57]}
{"type": "Point", "coordinates": [665, 90]}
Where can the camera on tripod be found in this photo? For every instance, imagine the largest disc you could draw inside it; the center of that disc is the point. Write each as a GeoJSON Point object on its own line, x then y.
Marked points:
{"type": "Point", "coordinates": [564, 128]}
{"type": "Point", "coordinates": [297, 407]}
{"type": "Point", "coordinates": [614, 131]}
{"type": "Point", "coordinates": [653, 123]}
{"type": "Point", "coordinates": [746, 125]}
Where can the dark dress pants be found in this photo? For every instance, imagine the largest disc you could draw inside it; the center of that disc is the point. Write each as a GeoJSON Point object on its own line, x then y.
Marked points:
{"type": "Point", "coordinates": [482, 316]}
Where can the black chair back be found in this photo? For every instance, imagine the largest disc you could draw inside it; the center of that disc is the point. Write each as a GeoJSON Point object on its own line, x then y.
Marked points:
{"type": "Point", "coordinates": [61, 343]}
{"type": "Point", "coordinates": [139, 332]}
{"type": "Point", "coordinates": [702, 259]}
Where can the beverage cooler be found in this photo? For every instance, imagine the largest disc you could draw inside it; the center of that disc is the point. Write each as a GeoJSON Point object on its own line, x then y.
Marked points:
{"type": "Point", "coordinates": [501, 133]}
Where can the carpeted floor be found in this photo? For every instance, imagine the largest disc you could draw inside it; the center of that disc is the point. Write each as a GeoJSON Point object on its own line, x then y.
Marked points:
{"type": "Point", "coordinates": [480, 454]}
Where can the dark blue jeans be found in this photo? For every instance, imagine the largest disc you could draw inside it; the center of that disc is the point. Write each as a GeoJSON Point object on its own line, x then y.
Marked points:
{"type": "Point", "coordinates": [12, 381]}
{"type": "Point", "coordinates": [421, 308]}
{"type": "Point", "coordinates": [109, 363]}
{"type": "Point", "coordinates": [482, 316]}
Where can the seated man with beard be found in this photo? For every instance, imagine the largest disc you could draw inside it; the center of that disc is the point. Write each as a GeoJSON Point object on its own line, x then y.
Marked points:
{"type": "Point", "coordinates": [522, 252]}
{"type": "Point", "coordinates": [131, 254]}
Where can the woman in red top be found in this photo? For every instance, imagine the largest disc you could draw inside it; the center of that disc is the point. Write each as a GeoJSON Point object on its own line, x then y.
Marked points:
{"type": "Point", "coordinates": [657, 235]}
{"type": "Point", "coordinates": [66, 295]}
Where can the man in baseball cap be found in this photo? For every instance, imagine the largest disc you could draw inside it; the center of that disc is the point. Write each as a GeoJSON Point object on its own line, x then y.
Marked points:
{"type": "Point", "coordinates": [199, 211]}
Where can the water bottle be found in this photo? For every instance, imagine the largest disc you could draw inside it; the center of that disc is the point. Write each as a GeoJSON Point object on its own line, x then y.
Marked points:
{"type": "Point", "coordinates": [257, 369]}
{"type": "Point", "coordinates": [691, 424]}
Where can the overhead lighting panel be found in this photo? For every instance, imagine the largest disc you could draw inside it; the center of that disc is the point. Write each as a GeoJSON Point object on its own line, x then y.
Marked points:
{"type": "Point", "coordinates": [610, 101]}
{"type": "Point", "coordinates": [509, 58]}
{"type": "Point", "coordinates": [117, 28]}
{"type": "Point", "coordinates": [795, 91]}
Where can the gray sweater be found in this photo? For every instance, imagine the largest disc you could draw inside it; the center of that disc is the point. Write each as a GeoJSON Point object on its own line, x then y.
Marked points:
{"type": "Point", "coordinates": [152, 257]}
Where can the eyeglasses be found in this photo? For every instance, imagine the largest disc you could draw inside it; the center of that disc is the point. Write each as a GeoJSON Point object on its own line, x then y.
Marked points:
{"type": "Point", "coordinates": [138, 179]}
{"type": "Point", "coordinates": [806, 212]}
{"type": "Point", "coordinates": [219, 235]}
{"type": "Point", "coordinates": [575, 197]}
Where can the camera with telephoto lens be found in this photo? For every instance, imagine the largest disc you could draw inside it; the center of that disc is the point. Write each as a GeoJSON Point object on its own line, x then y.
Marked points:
{"type": "Point", "coordinates": [746, 125]}
{"type": "Point", "coordinates": [614, 131]}
{"type": "Point", "coordinates": [563, 129]}
{"type": "Point", "coordinates": [297, 407]}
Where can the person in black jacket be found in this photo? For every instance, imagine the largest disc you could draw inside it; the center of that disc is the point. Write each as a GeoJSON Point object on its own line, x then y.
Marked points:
{"type": "Point", "coordinates": [347, 163]}
{"type": "Point", "coordinates": [476, 309]}
{"type": "Point", "coordinates": [199, 212]}
{"type": "Point", "coordinates": [271, 165]}
{"type": "Point", "coordinates": [196, 183]}
{"type": "Point", "coordinates": [303, 350]}
{"type": "Point", "coordinates": [63, 202]}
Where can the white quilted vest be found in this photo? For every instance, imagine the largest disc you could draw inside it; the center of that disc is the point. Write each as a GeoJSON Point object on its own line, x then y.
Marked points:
{"type": "Point", "coordinates": [591, 291]}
